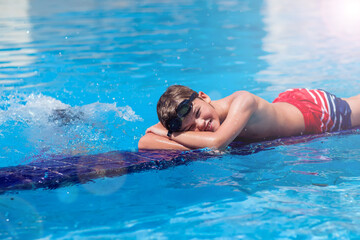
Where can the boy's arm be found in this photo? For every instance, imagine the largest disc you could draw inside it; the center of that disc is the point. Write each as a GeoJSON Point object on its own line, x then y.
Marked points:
{"type": "Point", "coordinates": [154, 141]}
{"type": "Point", "coordinates": [242, 106]}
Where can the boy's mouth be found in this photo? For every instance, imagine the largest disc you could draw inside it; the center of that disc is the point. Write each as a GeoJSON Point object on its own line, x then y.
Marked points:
{"type": "Point", "coordinates": [208, 126]}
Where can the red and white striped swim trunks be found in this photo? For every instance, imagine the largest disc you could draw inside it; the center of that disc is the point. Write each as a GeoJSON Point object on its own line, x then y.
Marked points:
{"type": "Point", "coordinates": [322, 111]}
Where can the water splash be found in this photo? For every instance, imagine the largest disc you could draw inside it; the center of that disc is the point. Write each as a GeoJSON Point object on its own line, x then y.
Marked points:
{"type": "Point", "coordinates": [36, 126]}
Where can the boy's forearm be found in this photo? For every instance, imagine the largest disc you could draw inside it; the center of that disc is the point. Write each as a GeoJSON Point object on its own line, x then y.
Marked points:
{"type": "Point", "coordinates": [153, 141]}
{"type": "Point", "coordinates": [195, 140]}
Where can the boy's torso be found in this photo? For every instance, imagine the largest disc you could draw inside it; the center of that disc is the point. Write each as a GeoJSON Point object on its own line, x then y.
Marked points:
{"type": "Point", "coordinates": [273, 120]}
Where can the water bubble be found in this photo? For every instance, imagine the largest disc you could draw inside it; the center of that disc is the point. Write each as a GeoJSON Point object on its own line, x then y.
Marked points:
{"type": "Point", "coordinates": [67, 195]}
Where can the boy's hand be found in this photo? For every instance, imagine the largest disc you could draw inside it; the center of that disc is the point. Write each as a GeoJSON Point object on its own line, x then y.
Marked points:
{"type": "Point", "coordinates": [158, 129]}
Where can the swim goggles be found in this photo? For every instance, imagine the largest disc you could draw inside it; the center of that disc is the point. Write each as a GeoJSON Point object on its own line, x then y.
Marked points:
{"type": "Point", "coordinates": [174, 124]}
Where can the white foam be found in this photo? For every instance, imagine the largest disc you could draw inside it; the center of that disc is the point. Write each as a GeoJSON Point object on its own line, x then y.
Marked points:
{"type": "Point", "coordinates": [35, 125]}
{"type": "Point", "coordinates": [36, 109]}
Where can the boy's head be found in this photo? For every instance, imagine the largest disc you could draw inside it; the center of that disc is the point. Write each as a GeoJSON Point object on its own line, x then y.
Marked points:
{"type": "Point", "coordinates": [170, 100]}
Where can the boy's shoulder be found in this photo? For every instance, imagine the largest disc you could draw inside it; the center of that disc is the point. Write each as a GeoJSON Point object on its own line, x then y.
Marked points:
{"type": "Point", "coordinates": [241, 94]}
{"type": "Point", "coordinates": [238, 102]}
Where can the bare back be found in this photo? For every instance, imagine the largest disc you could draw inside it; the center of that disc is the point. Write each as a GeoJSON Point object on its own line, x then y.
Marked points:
{"type": "Point", "coordinates": [273, 120]}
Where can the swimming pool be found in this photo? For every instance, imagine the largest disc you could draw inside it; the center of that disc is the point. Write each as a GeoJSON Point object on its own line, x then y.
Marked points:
{"type": "Point", "coordinates": [105, 63]}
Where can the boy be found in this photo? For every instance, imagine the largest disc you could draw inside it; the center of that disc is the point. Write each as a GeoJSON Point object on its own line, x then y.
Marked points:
{"type": "Point", "coordinates": [190, 120]}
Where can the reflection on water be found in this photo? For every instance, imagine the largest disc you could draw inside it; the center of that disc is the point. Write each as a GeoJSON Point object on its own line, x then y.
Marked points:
{"type": "Point", "coordinates": [342, 18]}
{"type": "Point", "coordinates": [312, 44]}
{"type": "Point", "coordinates": [15, 42]}
{"type": "Point", "coordinates": [307, 155]}
{"type": "Point", "coordinates": [113, 47]}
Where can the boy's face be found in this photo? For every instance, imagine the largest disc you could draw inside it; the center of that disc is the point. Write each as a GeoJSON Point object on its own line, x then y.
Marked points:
{"type": "Point", "coordinates": [202, 117]}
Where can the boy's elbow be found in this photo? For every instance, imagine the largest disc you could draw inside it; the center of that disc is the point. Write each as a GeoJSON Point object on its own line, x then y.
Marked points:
{"type": "Point", "coordinates": [217, 144]}
{"type": "Point", "coordinates": [141, 144]}
{"type": "Point", "coordinates": [144, 142]}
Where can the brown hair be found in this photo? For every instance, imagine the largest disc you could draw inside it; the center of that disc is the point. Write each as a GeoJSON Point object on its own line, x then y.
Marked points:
{"type": "Point", "coordinates": [168, 102]}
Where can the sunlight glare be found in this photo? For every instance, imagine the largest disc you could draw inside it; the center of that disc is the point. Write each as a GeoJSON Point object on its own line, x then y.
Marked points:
{"type": "Point", "coordinates": [342, 17]}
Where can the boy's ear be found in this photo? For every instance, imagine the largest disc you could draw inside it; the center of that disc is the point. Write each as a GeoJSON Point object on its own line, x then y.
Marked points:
{"type": "Point", "coordinates": [204, 97]}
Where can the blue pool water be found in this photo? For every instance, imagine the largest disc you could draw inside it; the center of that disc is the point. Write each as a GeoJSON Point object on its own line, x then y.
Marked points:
{"type": "Point", "coordinates": [106, 63]}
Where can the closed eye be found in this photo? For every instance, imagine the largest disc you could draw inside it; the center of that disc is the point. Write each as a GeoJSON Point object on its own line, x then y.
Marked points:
{"type": "Point", "coordinates": [197, 115]}
{"type": "Point", "coordinates": [193, 126]}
